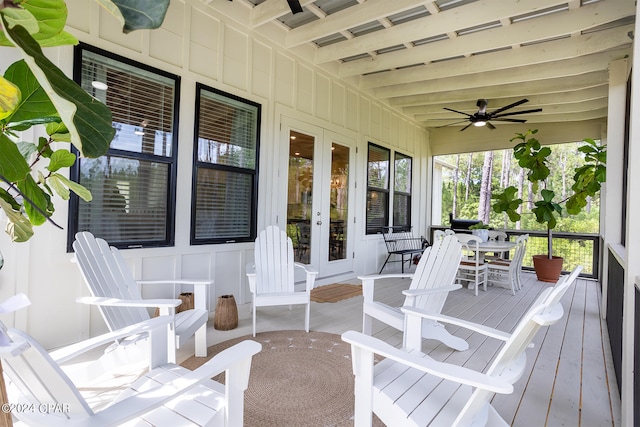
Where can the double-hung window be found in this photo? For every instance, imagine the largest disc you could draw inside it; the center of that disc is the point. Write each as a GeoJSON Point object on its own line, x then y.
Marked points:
{"type": "Point", "coordinates": [378, 169]}
{"type": "Point", "coordinates": [402, 191]}
{"type": "Point", "coordinates": [379, 184]}
{"type": "Point", "coordinates": [133, 185]}
{"type": "Point", "coordinates": [225, 181]}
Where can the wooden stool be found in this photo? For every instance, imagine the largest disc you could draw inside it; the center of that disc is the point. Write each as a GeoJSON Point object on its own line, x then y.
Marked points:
{"type": "Point", "coordinates": [226, 315]}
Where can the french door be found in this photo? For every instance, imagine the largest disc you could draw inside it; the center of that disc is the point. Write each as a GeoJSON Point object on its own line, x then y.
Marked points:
{"type": "Point", "coordinates": [319, 194]}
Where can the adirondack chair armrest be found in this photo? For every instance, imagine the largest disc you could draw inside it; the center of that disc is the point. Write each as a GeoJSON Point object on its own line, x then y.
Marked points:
{"type": "Point", "coordinates": [200, 288]}
{"type": "Point", "coordinates": [475, 327]}
{"type": "Point", "coordinates": [251, 277]}
{"type": "Point", "coordinates": [236, 361]}
{"type": "Point", "coordinates": [311, 275]}
{"type": "Point", "coordinates": [74, 350]}
{"type": "Point", "coordinates": [459, 374]}
{"type": "Point", "coordinates": [115, 302]}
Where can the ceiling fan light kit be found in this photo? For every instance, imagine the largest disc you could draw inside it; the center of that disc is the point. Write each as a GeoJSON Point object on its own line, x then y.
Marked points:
{"type": "Point", "coordinates": [483, 118]}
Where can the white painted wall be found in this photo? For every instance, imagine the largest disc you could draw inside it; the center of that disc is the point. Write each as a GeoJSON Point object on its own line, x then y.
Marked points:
{"type": "Point", "coordinates": [200, 46]}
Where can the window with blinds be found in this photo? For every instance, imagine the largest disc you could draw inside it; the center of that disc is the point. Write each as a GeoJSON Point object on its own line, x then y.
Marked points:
{"type": "Point", "coordinates": [133, 185]}
{"type": "Point", "coordinates": [225, 173]}
{"type": "Point", "coordinates": [378, 168]}
{"type": "Point", "coordinates": [402, 190]}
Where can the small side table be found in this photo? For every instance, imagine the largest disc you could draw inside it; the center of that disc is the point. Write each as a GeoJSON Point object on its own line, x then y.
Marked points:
{"type": "Point", "coordinates": [226, 314]}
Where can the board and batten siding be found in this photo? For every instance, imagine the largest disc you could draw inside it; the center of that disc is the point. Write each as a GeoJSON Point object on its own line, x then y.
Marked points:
{"type": "Point", "coordinates": [205, 46]}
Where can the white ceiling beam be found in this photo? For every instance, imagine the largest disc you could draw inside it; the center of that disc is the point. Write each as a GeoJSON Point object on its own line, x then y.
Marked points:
{"type": "Point", "coordinates": [371, 10]}
{"type": "Point", "coordinates": [530, 31]}
{"type": "Point", "coordinates": [444, 22]}
{"type": "Point", "coordinates": [555, 50]}
{"type": "Point", "coordinates": [499, 91]}
{"type": "Point", "coordinates": [527, 73]}
{"type": "Point", "coordinates": [270, 10]}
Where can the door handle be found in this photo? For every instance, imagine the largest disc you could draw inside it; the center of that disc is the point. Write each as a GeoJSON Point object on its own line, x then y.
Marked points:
{"type": "Point", "coordinates": [319, 222]}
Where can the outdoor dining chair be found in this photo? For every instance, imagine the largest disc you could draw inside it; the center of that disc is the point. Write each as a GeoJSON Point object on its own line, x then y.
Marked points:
{"type": "Point", "coordinates": [472, 270]}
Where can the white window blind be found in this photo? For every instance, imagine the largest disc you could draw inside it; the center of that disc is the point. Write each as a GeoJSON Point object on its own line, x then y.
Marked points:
{"type": "Point", "coordinates": [133, 185]}
{"type": "Point", "coordinates": [226, 157]}
{"type": "Point", "coordinates": [402, 190]}
{"type": "Point", "coordinates": [378, 165]}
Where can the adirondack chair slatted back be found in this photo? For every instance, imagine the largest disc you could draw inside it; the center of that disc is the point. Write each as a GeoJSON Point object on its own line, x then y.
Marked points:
{"type": "Point", "coordinates": [33, 375]}
{"type": "Point", "coordinates": [274, 261]}
{"type": "Point", "coordinates": [106, 278]}
{"type": "Point", "coordinates": [437, 267]}
{"type": "Point", "coordinates": [510, 363]}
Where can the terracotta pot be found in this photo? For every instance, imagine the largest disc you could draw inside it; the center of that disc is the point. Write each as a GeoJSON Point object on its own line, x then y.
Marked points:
{"type": "Point", "coordinates": [547, 270]}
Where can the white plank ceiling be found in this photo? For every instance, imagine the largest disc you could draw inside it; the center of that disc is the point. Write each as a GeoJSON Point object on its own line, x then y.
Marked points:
{"type": "Point", "coordinates": [422, 56]}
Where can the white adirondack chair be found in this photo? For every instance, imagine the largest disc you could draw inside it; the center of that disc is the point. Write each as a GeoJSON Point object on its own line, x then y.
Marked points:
{"type": "Point", "coordinates": [430, 284]}
{"type": "Point", "coordinates": [167, 395]}
{"type": "Point", "coordinates": [408, 388]}
{"type": "Point", "coordinates": [117, 295]}
{"type": "Point", "coordinates": [271, 278]}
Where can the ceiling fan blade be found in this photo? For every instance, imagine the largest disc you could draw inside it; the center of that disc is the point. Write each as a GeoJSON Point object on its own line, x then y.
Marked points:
{"type": "Point", "coordinates": [506, 107]}
{"type": "Point", "coordinates": [294, 5]}
{"type": "Point", "coordinates": [459, 112]}
{"type": "Point", "coordinates": [490, 126]}
{"type": "Point", "coordinates": [466, 127]}
{"type": "Point", "coordinates": [454, 123]}
{"type": "Point", "coordinates": [535, 110]}
{"type": "Point", "coordinates": [509, 120]}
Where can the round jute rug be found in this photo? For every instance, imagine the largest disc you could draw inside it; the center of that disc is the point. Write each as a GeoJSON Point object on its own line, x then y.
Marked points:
{"type": "Point", "coordinates": [298, 379]}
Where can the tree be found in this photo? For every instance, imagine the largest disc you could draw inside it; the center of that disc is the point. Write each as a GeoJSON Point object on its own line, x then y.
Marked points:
{"type": "Point", "coordinates": [484, 207]}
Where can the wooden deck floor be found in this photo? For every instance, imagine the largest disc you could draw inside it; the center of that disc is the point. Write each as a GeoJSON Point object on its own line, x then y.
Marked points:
{"type": "Point", "coordinates": [569, 380]}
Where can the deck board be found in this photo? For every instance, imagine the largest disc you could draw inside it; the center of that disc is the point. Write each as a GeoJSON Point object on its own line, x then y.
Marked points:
{"type": "Point", "coordinates": [569, 376]}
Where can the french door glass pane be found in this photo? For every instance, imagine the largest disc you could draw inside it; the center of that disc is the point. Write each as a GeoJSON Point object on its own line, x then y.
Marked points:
{"type": "Point", "coordinates": [300, 195]}
{"type": "Point", "coordinates": [338, 202]}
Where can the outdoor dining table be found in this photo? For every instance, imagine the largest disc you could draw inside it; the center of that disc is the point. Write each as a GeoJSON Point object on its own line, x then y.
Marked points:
{"type": "Point", "coordinates": [494, 246]}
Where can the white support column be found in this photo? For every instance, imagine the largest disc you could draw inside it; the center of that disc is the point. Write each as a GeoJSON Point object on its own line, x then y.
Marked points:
{"type": "Point", "coordinates": [632, 244]}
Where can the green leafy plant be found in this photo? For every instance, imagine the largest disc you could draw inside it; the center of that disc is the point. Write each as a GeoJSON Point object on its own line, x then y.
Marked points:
{"type": "Point", "coordinates": [479, 226]}
{"type": "Point", "coordinates": [534, 158]}
{"type": "Point", "coordinates": [34, 92]}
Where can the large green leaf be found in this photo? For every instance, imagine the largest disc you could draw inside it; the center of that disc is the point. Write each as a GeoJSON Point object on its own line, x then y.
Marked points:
{"type": "Point", "coordinates": [37, 204]}
{"type": "Point", "coordinates": [43, 19]}
{"type": "Point", "coordinates": [13, 167]}
{"type": "Point", "coordinates": [35, 106]}
{"type": "Point", "coordinates": [137, 14]}
{"type": "Point", "coordinates": [61, 159]}
{"type": "Point", "coordinates": [88, 120]}
{"type": "Point", "coordinates": [61, 185]}
{"type": "Point", "coordinates": [18, 226]}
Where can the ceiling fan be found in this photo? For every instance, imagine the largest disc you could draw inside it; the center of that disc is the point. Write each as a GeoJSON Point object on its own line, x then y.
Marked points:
{"type": "Point", "coordinates": [484, 118]}
{"type": "Point", "coordinates": [294, 5]}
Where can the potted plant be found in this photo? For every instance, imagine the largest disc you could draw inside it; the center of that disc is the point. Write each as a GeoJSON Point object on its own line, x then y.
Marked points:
{"type": "Point", "coordinates": [481, 230]}
{"type": "Point", "coordinates": [535, 160]}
